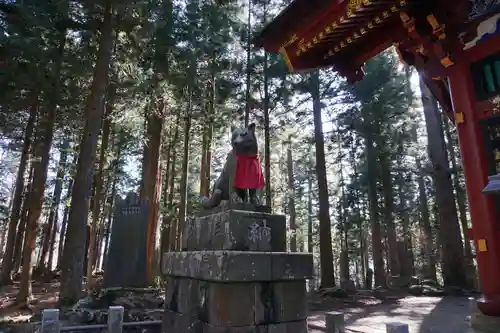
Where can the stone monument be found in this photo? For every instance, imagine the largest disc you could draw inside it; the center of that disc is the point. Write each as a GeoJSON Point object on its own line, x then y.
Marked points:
{"type": "Point", "coordinates": [125, 264]}
{"type": "Point", "coordinates": [233, 275]}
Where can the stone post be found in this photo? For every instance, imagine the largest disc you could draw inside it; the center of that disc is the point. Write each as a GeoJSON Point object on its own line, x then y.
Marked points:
{"type": "Point", "coordinates": [50, 321]}
{"type": "Point", "coordinates": [115, 319]}
{"type": "Point", "coordinates": [335, 322]}
{"type": "Point", "coordinates": [234, 275]}
{"type": "Point", "coordinates": [397, 328]}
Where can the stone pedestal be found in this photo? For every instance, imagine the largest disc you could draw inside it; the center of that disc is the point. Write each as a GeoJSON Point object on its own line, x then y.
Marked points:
{"type": "Point", "coordinates": [233, 276]}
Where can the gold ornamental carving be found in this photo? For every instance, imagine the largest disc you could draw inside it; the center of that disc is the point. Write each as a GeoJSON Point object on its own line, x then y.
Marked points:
{"type": "Point", "coordinates": [292, 40]}
{"type": "Point", "coordinates": [352, 5]}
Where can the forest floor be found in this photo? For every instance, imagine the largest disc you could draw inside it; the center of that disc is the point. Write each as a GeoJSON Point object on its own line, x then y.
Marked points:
{"type": "Point", "coordinates": [364, 313]}
{"type": "Point", "coordinates": [45, 296]}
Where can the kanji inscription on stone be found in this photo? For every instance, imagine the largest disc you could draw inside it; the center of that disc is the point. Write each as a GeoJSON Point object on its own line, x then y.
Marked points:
{"type": "Point", "coordinates": [125, 264]}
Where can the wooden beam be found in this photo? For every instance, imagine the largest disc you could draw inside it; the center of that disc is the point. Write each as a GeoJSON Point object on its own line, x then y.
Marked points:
{"type": "Point", "coordinates": [293, 20]}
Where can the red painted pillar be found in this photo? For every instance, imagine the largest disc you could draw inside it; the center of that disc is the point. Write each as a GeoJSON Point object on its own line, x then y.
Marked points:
{"type": "Point", "coordinates": [484, 214]}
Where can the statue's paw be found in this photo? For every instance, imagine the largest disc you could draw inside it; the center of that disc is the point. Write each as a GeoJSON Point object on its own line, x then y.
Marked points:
{"type": "Point", "coordinates": [234, 198]}
{"type": "Point", "coordinates": [217, 193]}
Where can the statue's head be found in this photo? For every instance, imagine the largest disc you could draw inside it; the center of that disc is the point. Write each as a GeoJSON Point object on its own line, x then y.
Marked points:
{"type": "Point", "coordinates": [244, 140]}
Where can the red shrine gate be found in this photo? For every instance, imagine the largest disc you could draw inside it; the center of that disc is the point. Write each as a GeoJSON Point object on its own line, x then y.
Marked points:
{"type": "Point", "coordinates": [454, 44]}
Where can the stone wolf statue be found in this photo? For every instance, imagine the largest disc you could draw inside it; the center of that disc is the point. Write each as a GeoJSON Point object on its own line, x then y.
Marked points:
{"type": "Point", "coordinates": [241, 176]}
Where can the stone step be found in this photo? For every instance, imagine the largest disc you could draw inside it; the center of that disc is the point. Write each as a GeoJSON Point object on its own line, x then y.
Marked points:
{"type": "Point", "coordinates": [238, 266]}
{"type": "Point", "coordinates": [237, 230]}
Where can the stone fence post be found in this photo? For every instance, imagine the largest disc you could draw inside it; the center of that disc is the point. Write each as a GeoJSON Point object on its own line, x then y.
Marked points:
{"type": "Point", "coordinates": [335, 322]}
{"type": "Point", "coordinates": [50, 321]}
{"type": "Point", "coordinates": [397, 328]}
{"type": "Point", "coordinates": [115, 319]}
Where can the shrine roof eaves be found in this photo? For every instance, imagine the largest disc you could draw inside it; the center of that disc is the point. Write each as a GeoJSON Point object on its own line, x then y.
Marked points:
{"type": "Point", "coordinates": [282, 26]}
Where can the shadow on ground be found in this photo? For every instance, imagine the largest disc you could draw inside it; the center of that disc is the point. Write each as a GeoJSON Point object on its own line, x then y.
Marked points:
{"type": "Point", "coordinates": [449, 315]}
{"type": "Point", "coordinates": [422, 314]}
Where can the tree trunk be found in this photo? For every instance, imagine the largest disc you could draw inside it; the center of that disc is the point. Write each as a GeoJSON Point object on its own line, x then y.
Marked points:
{"type": "Point", "coordinates": [109, 181]}
{"type": "Point", "coordinates": [43, 237]}
{"type": "Point", "coordinates": [100, 234]}
{"type": "Point", "coordinates": [208, 167]}
{"type": "Point", "coordinates": [425, 226]}
{"type": "Point", "coordinates": [325, 233]}
{"type": "Point", "coordinates": [98, 185]}
{"type": "Point", "coordinates": [21, 232]}
{"type": "Point", "coordinates": [8, 255]}
{"type": "Point", "coordinates": [449, 230]}
{"type": "Point", "coordinates": [74, 247]}
{"type": "Point", "coordinates": [377, 247]}
{"type": "Point", "coordinates": [151, 177]}
{"type": "Point", "coordinates": [64, 222]}
{"type": "Point", "coordinates": [407, 265]}
{"type": "Point", "coordinates": [394, 264]}
{"type": "Point", "coordinates": [56, 198]}
{"type": "Point", "coordinates": [344, 266]}
{"type": "Point", "coordinates": [207, 139]}
{"type": "Point", "coordinates": [291, 196]}
{"type": "Point", "coordinates": [109, 221]}
{"type": "Point", "coordinates": [248, 65]}
{"type": "Point", "coordinates": [210, 133]}
{"type": "Point", "coordinates": [5, 226]}
{"type": "Point", "coordinates": [267, 134]}
{"type": "Point", "coordinates": [185, 161]}
{"type": "Point", "coordinates": [107, 229]}
{"type": "Point", "coordinates": [310, 246]}
{"type": "Point", "coordinates": [184, 178]}
{"type": "Point", "coordinates": [174, 224]}
{"type": "Point", "coordinates": [42, 155]}
{"type": "Point", "coordinates": [462, 206]}
{"type": "Point", "coordinates": [165, 228]}
{"type": "Point", "coordinates": [358, 211]}
{"type": "Point", "coordinates": [204, 162]}
{"type": "Point", "coordinates": [50, 260]}
{"type": "Point", "coordinates": [342, 220]}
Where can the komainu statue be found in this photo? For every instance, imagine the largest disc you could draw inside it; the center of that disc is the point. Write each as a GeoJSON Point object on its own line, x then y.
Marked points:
{"type": "Point", "coordinates": [241, 177]}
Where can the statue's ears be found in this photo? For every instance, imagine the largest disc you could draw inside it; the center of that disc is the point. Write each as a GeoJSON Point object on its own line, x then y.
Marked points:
{"type": "Point", "coordinates": [251, 127]}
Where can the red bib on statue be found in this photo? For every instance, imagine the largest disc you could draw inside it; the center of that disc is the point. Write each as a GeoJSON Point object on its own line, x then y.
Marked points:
{"type": "Point", "coordinates": [248, 172]}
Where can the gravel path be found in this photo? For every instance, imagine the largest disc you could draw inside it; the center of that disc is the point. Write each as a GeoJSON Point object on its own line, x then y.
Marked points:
{"type": "Point", "coordinates": [422, 314]}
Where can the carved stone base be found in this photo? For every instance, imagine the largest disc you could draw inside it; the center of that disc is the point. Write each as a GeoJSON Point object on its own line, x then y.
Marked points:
{"type": "Point", "coordinates": [237, 230]}
{"type": "Point", "coordinates": [233, 276]}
